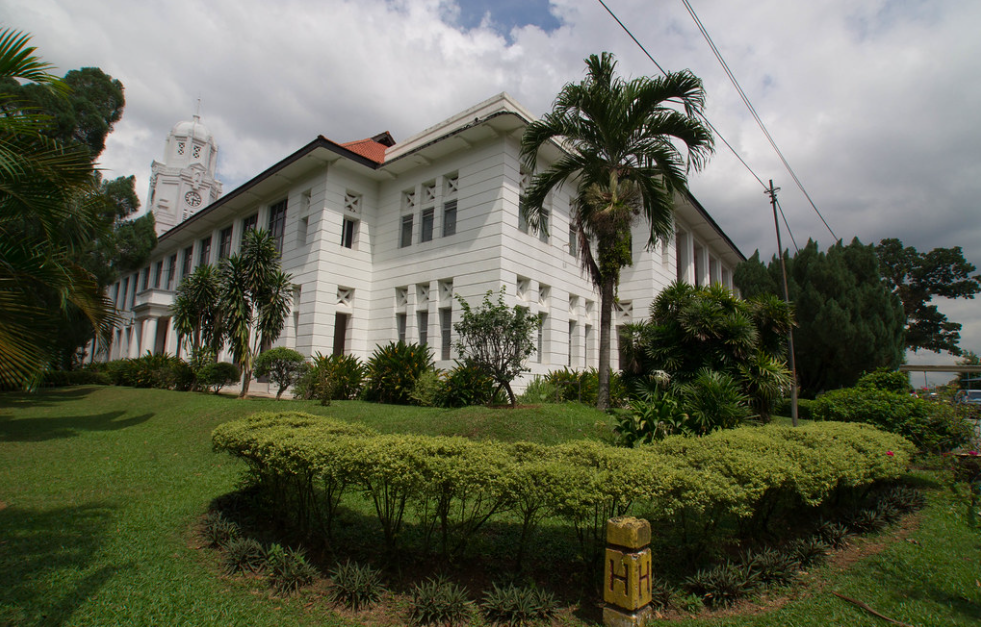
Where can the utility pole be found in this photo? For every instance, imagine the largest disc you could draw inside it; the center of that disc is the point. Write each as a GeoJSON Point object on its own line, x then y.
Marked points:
{"type": "Point", "coordinates": [772, 193]}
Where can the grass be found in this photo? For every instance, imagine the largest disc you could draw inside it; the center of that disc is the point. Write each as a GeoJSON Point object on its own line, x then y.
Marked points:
{"type": "Point", "coordinates": [101, 489]}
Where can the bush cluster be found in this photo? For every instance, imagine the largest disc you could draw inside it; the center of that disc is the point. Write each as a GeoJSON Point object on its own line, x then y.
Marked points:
{"type": "Point", "coordinates": [303, 466]}
{"type": "Point", "coordinates": [932, 427]}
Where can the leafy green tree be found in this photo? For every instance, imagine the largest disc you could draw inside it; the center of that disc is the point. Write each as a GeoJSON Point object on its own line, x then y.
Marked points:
{"type": "Point", "coordinates": [497, 339]}
{"type": "Point", "coordinates": [968, 358]}
{"type": "Point", "coordinates": [849, 320]}
{"type": "Point", "coordinates": [255, 300]}
{"type": "Point", "coordinates": [283, 365]}
{"type": "Point", "coordinates": [916, 278]}
{"type": "Point", "coordinates": [49, 210]}
{"type": "Point", "coordinates": [622, 139]}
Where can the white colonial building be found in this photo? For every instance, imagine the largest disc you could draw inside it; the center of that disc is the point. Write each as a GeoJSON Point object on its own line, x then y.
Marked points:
{"type": "Point", "coordinates": [380, 236]}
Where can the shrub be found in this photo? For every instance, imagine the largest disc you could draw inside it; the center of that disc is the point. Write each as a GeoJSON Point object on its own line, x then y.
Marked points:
{"type": "Point", "coordinates": [713, 400]}
{"type": "Point", "coordinates": [214, 376]}
{"type": "Point", "coordinates": [662, 594]}
{"type": "Point", "coordinates": [722, 585]}
{"type": "Point", "coordinates": [64, 378]}
{"type": "Point", "coordinates": [464, 386]}
{"type": "Point", "coordinates": [439, 601]}
{"type": "Point", "coordinates": [122, 372]}
{"type": "Point", "coordinates": [392, 372]}
{"type": "Point", "coordinates": [332, 378]}
{"type": "Point", "coordinates": [182, 376]}
{"type": "Point", "coordinates": [153, 371]}
{"type": "Point", "coordinates": [932, 427]}
{"type": "Point", "coordinates": [284, 366]}
{"type": "Point", "coordinates": [809, 551]}
{"type": "Point", "coordinates": [426, 388]}
{"type": "Point", "coordinates": [649, 419]}
{"type": "Point", "coordinates": [771, 567]}
{"type": "Point", "coordinates": [356, 586]}
{"type": "Point", "coordinates": [885, 380]}
{"type": "Point", "coordinates": [805, 408]}
{"type": "Point", "coordinates": [288, 569]}
{"type": "Point", "coordinates": [515, 607]}
{"type": "Point", "coordinates": [244, 555]}
{"type": "Point", "coordinates": [540, 390]}
{"type": "Point", "coordinates": [835, 535]}
{"type": "Point", "coordinates": [218, 530]}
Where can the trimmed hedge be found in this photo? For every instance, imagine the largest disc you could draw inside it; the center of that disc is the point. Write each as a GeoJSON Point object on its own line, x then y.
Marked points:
{"type": "Point", "coordinates": [304, 464]}
{"type": "Point", "coordinates": [932, 427]}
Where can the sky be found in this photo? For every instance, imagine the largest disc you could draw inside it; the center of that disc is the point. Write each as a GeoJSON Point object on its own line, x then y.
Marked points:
{"type": "Point", "coordinates": [876, 105]}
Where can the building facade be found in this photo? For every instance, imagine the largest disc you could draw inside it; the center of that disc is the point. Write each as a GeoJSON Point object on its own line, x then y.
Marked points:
{"type": "Point", "coordinates": [380, 237]}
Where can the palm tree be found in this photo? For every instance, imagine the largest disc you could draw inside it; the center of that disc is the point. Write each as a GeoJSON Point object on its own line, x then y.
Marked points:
{"type": "Point", "coordinates": [49, 210]}
{"type": "Point", "coordinates": [621, 151]}
{"type": "Point", "coordinates": [196, 314]}
{"type": "Point", "coordinates": [255, 300]}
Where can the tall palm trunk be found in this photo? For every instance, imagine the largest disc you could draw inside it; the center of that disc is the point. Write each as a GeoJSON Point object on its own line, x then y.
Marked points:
{"type": "Point", "coordinates": [607, 291]}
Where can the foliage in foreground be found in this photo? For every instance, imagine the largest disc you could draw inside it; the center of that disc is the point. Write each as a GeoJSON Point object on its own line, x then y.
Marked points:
{"type": "Point", "coordinates": [305, 466]}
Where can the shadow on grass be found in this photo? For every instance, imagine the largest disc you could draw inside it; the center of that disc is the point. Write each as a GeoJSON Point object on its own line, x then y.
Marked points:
{"type": "Point", "coordinates": [48, 565]}
{"type": "Point", "coordinates": [39, 429]}
{"type": "Point", "coordinates": [45, 397]}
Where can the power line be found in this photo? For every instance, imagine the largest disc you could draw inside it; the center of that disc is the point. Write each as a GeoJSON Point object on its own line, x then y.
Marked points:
{"type": "Point", "coordinates": [658, 65]}
{"type": "Point", "coordinates": [752, 110]}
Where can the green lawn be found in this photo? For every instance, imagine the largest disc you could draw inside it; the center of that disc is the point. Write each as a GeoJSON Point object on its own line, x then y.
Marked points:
{"type": "Point", "coordinates": [100, 489]}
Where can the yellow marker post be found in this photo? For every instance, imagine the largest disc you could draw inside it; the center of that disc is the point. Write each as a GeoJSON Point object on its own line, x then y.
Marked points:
{"type": "Point", "coordinates": [627, 572]}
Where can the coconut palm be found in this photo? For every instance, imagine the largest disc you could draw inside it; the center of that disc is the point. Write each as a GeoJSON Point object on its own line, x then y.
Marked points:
{"type": "Point", "coordinates": [255, 300]}
{"type": "Point", "coordinates": [621, 139]}
{"type": "Point", "coordinates": [49, 209]}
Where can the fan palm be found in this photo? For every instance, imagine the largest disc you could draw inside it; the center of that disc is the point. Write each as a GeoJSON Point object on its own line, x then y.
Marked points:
{"type": "Point", "coordinates": [255, 300]}
{"type": "Point", "coordinates": [621, 151]}
{"type": "Point", "coordinates": [49, 208]}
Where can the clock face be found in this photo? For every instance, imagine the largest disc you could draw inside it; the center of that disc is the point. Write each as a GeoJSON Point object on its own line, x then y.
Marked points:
{"type": "Point", "coordinates": [193, 199]}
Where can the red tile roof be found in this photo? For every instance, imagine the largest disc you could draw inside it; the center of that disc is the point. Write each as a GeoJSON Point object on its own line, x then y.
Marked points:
{"type": "Point", "coordinates": [372, 148]}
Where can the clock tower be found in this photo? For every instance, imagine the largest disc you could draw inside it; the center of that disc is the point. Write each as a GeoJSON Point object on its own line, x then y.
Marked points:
{"type": "Point", "coordinates": [184, 183]}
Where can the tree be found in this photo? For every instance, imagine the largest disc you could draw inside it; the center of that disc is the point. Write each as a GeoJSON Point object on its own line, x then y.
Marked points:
{"type": "Point", "coordinates": [85, 118]}
{"type": "Point", "coordinates": [497, 339]}
{"type": "Point", "coordinates": [700, 336]}
{"type": "Point", "coordinates": [849, 321]}
{"type": "Point", "coordinates": [255, 300]}
{"type": "Point", "coordinates": [196, 313]}
{"type": "Point", "coordinates": [916, 278]}
{"type": "Point", "coordinates": [49, 209]}
{"type": "Point", "coordinates": [283, 365]}
{"type": "Point", "coordinates": [621, 138]}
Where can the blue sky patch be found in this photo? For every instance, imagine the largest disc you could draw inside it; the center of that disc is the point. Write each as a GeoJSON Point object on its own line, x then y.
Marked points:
{"type": "Point", "coordinates": [506, 15]}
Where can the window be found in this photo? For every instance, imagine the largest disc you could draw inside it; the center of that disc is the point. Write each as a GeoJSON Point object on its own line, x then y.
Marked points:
{"type": "Point", "coordinates": [524, 285]}
{"type": "Point", "coordinates": [171, 272]}
{"type": "Point", "coordinates": [301, 231]}
{"type": "Point", "coordinates": [541, 338]}
{"type": "Point", "coordinates": [400, 323]}
{"type": "Point", "coordinates": [543, 218]}
{"type": "Point", "coordinates": [277, 223]}
{"type": "Point", "coordinates": [524, 181]}
{"type": "Point", "coordinates": [405, 239]}
{"type": "Point", "coordinates": [188, 261]}
{"type": "Point", "coordinates": [449, 218]}
{"type": "Point", "coordinates": [573, 241]}
{"type": "Point", "coordinates": [352, 202]}
{"type": "Point", "coordinates": [427, 224]}
{"type": "Point", "coordinates": [156, 274]}
{"type": "Point", "coordinates": [132, 300]}
{"type": "Point", "coordinates": [340, 332]}
{"type": "Point", "coordinates": [250, 223]}
{"type": "Point", "coordinates": [544, 293]}
{"type": "Point", "coordinates": [146, 277]}
{"type": "Point", "coordinates": [445, 327]}
{"type": "Point", "coordinates": [349, 231]}
{"type": "Point", "coordinates": [422, 319]}
{"type": "Point", "coordinates": [124, 290]}
{"type": "Point", "coordinates": [225, 243]}
{"type": "Point", "coordinates": [205, 252]}
{"type": "Point", "coordinates": [572, 342]}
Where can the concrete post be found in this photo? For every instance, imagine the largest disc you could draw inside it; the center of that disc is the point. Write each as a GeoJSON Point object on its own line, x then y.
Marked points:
{"type": "Point", "coordinates": [627, 572]}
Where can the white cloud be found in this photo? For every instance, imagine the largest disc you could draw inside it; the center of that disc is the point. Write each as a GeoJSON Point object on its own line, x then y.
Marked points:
{"type": "Point", "coordinates": [873, 103]}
